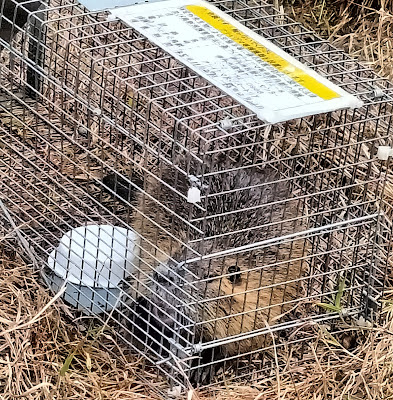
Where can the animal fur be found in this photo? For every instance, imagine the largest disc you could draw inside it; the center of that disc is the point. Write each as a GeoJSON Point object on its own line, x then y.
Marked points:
{"type": "Point", "coordinates": [241, 301]}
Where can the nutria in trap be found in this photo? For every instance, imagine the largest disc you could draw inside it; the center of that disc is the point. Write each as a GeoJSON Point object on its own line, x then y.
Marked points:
{"type": "Point", "coordinates": [226, 294]}
{"type": "Point", "coordinates": [148, 183]}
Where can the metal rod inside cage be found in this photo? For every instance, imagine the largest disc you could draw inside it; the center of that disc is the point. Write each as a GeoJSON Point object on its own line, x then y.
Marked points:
{"type": "Point", "coordinates": [268, 329]}
{"type": "Point", "coordinates": [280, 239]}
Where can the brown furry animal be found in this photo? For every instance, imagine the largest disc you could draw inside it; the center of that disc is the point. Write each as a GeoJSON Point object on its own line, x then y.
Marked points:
{"type": "Point", "coordinates": [224, 296]}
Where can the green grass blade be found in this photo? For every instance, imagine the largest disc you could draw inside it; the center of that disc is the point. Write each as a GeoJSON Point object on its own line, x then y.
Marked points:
{"type": "Point", "coordinates": [329, 307]}
{"type": "Point", "coordinates": [340, 293]}
{"type": "Point", "coordinates": [67, 364]}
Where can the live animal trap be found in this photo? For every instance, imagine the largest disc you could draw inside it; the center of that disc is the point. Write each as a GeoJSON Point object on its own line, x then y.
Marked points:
{"type": "Point", "coordinates": [140, 174]}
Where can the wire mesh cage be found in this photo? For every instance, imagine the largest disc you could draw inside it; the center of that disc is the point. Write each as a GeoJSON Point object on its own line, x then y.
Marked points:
{"type": "Point", "coordinates": [102, 137]}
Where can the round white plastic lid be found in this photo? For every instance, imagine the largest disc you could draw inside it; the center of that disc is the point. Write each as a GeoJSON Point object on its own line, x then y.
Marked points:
{"type": "Point", "coordinates": [95, 255]}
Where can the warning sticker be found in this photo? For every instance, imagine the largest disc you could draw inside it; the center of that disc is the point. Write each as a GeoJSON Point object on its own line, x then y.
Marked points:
{"type": "Point", "coordinates": [240, 62]}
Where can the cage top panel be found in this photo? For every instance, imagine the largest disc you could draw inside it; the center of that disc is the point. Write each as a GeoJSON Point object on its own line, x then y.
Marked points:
{"type": "Point", "coordinates": [242, 63]}
{"type": "Point", "coordinates": [108, 66]}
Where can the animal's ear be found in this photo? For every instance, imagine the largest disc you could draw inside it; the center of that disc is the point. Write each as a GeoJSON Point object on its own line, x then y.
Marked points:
{"type": "Point", "coordinates": [236, 277]}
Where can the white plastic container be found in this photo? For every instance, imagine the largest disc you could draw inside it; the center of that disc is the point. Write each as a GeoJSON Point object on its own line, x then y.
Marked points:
{"type": "Point", "coordinates": [93, 260]}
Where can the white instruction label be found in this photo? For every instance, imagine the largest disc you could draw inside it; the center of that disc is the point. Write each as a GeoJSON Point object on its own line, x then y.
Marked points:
{"type": "Point", "coordinates": [240, 62]}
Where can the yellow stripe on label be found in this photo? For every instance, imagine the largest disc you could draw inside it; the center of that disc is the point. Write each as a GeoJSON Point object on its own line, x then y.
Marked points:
{"type": "Point", "coordinates": [282, 65]}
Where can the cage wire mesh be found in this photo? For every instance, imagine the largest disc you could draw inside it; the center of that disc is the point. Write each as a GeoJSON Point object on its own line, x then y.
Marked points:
{"type": "Point", "coordinates": [102, 134]}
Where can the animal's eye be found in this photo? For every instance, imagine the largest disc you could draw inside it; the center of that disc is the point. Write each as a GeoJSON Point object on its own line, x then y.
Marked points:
{"type": "Point", "coordinates": [235, 277]}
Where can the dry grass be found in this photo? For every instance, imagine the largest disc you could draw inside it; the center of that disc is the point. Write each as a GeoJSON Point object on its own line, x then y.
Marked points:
{"type": "Point", "coordinates": [38, 340]}
{"type": "Point", "coordinates": [44, 356]}
{"type": "Point", "coordinates": [362, 28]}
